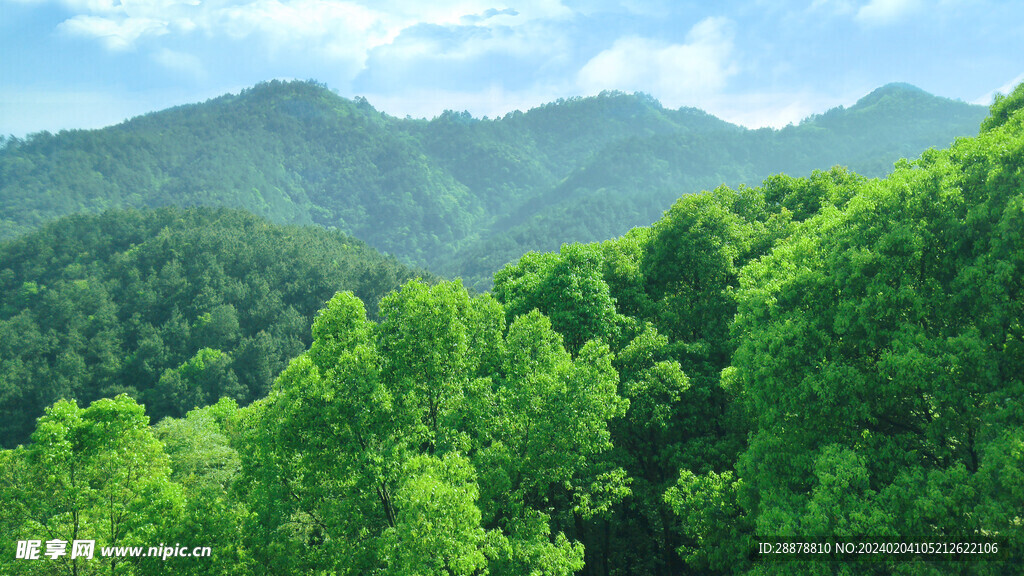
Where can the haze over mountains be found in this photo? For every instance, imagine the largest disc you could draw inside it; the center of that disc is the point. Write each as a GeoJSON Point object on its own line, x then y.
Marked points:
{"type": "Point", "coordinates": [459, 195]}
{"type": "Point", "coordinates": [823, 358]}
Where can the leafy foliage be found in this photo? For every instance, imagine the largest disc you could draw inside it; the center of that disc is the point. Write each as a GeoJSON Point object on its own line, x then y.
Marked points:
{"type": "Point", "coordinates": [96, 473]}
{"type": "Point", "coordinates": [174, 307]}
{"type": "Point", "coordinates": [823, 359]}
{"type": "Point", "coordinates": [877, 360]}
{"type": "Point", "coordinates": [460, 195]}
{"type": "Point", "coordinates": [426, 444]}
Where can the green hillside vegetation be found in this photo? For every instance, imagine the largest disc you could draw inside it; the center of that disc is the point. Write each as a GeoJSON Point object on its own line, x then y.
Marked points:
{"type": "Point", "coordinates": [632, 180]}
{"type": "Point", "coordinates": [824, 359]}
{"type": "Point", "coordinates": [459, 195]}
{"type": "Point", "coordinates": [175, 307]}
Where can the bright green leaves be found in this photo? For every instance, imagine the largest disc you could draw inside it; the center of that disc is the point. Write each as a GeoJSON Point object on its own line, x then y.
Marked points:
{"type": "Point", "coordinates": [567, 287]}
{"type": "Point", "coordinates": [95, 473]}
{"type": "Point", "coordinates": [424, 340]}
{"type": "Point", "coordinates": [1004, 108]}
{"type": "Point", "coordinates": [713, 519]}
{"type": "Point", "coordinates": [805, 197]}
{"type": "Point", "coordinates": [842, 501]}
{"type": "Point", "coordinates": [691, 267]}
{"type": "Point", "coordinates": [206, 467]}
{"type": "Point", "coordinates": [878, 351]}
{"type": "Point", "coordinates": [1002, 473]}
{"type": "Point", "coordinates": [533, 550]}
{"type": "Point", "coordinates": [552, 417]}
{"type": "Point", "coordinates": [433, 442]}
{"type": "Point", "coordinates": [437, 527]}
{"type": "Point", "coordinates": [534, 348]}
{"type": "Point", "coordinates": [652, 383]}
{"type": "Point", "coordinates": [338, 328]}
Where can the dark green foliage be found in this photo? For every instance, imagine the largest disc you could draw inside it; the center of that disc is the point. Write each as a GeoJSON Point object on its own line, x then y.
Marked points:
{"type": "Point", "coordinates": [878, 358]}
{"type": "Point", "coordinates": [460, 195]}
{"type": "Point", "coordinates": [176, 307]}
{"type": "Point", "coordinates": [827, 359]}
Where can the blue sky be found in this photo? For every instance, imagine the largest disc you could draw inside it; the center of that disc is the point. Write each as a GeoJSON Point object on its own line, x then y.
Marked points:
{"type": "Point", "coordinates": [91, 63]}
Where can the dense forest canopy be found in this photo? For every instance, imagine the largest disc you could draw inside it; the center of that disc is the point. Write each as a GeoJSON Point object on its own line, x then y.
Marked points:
{"type": "Point", "coordinates": [175, 307]}
{"type": "Point", "coordinates": [823, 359]}
{"type": "Point", "coordinates": [459, 195]}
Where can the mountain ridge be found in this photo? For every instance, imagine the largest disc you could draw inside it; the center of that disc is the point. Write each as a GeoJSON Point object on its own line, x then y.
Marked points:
{"type": "Point", "coordinates": [440, 192]}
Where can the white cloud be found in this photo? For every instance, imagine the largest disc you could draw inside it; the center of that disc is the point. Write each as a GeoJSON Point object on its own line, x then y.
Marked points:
{"type": "Point", "coordinates": [116, 34]}
{"type": "Point", "coordinates": [468, 29]}
{"type": "Point", "coordinates": [300, 19]}
{"type": "Point", "coordinates": [339, 32]}
{"type": "Point", "coordinates": [775, 109]}
{"type": "Point", "coordinates": [881, 12]}
{"type": "Point", "coordinates": [687, 74]}
{"type": "Point", "coordinates": [986, 99]}
{"type": "Point", "coordinates": [122, 24]}
{"type": "Point", "coordinates": [493, 101]}
{"type": "Point", "coordinates": [181, 62]}
{"type": "Point", "coordinates": [522, 46]}
{"type": "Point", "coordinates": [470, 42]}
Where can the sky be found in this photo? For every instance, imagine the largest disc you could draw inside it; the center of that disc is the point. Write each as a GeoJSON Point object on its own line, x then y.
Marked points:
{"type": "Point", "coordinates": [68, 64]}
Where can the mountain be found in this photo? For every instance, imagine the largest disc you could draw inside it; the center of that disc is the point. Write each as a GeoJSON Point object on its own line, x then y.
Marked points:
{"type": "Point", "coordinates": [460, 195]}
{"type": "Point", "coordinates": [826, 359]}
{"type": "Point", "coordinates": [177, 307]}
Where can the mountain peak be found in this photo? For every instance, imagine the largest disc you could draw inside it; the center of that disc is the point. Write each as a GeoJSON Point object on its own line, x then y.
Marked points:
{"type": "Point", "coordinates": [894, 87]}
{"type": "Point", "coordinates": [900, 90]}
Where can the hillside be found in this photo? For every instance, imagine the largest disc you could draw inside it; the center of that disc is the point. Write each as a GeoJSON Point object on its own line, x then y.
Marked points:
{"type": "Point", "coordinates": [175, 307]}
{"type": "Point", "coordinates": [829, 360]}
{"type": "Point", "coordinates": [631, 181]}
{"type": "Point", "coordinates": [459, 195]}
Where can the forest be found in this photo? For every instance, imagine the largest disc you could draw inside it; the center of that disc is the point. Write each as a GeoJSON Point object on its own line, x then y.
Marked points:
{"type": "Point", "coordinates": [175, 307]}
{"type": "Point", "coordinates": [457, 195]}
{"type": "Point", "coordinates": [827, 358]}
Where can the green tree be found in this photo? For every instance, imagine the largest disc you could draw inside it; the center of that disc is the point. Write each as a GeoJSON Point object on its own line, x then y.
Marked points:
{"type": "Point", "coordinates": [567, 287]}
{"type": "Point", "coordinates": [93, 306]}
{"type": "Point", "coordinates": [878, 353]}
{"type": "Point", "coordinates": [339, 461]}
{"type": "Point", "coordinates": [95, 473]}
{"type": "Point", "coordinates": [206, 467]}
{"type": "Point", "coordinates": [195, 383]}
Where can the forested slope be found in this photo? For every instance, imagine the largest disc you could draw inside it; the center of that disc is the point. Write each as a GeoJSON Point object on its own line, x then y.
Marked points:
{"type": "Point", "coordinates": [460, 195]}
{"type": "Point", "coordinates": [175, 307]}
{"type": "Point", "coordinates": [827, 359]}
{"type": "Point", "coordinates": [631, 181]}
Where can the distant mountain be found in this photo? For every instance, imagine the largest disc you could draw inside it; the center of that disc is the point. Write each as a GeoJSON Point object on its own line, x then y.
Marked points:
{"type": "Point", "coordinates": [630, 181]}
{"type": "Point", "coordinates": [175, 307]}
{"type": "Point", "coordinates": [460, 195]}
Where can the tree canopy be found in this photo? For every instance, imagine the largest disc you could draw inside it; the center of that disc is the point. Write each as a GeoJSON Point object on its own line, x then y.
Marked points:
{"type": "Point", "coordinates": [460, 195]}
{"type": "Point", "coordinates": [175, 307]}
{"type": "Point", "coordinates": [825, 359]}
